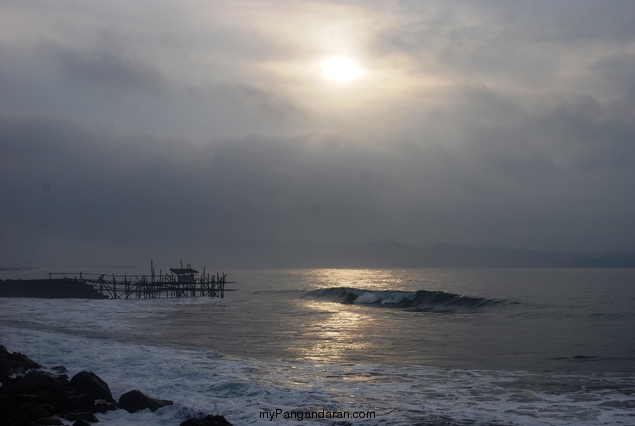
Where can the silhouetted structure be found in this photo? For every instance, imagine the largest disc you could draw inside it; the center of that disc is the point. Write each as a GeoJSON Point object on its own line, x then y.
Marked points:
{"type": "Point", "coordinates": [180, 282]}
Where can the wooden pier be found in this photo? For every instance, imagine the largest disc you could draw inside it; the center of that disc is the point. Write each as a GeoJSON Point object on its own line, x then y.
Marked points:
{"type": "Point", "coordinates": [179, 282]}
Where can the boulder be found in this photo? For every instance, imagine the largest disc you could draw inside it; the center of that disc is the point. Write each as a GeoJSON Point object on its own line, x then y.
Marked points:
{"type": "Point", "coordinates": [91, 385]}
{"type": "Point", "coordinates": [87, 416]}
{"type": "Point", "coordinates": [48, 408]}
{"type": "Point", "coordinates": [80, 401]}
{"type": "Point", "coordinates": [103, 407]}
{"type": "Point", "coordinates": [60, 369]}
{"type": "Point", "coordinates": [136, 400]}
{"type": "Point", "coordinates": [14, 363]}
{"type": "Point", "coordinates": [46, 421]}
{"type": "Point", "coordinates": [37, 386]}
{"type": "Point", "coordinates": [35, 411]}
{"type": "Point", "coordinates": [10, 414]}
{"type": "Point", "coordinates": [207, 421]}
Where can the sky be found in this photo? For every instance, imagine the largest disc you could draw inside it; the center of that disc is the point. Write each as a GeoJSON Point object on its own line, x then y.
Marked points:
{"type": "Point", "coordinates": [137, 128]}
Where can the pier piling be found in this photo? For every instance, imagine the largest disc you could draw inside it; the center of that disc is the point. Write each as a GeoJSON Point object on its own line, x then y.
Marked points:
{"type": "Point", "coordinates": [180, 282]}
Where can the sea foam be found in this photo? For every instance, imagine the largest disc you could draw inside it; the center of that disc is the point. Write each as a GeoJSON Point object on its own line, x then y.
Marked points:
{"type": "Point", "coordinates": [204, 382]}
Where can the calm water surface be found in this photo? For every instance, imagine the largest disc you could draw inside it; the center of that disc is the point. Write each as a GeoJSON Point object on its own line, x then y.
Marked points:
{"type": "Point", "coordinates": [530, 319]}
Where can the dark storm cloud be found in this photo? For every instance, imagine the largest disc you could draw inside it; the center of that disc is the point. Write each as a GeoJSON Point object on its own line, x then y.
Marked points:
{"type": "Point", "coordinates": [505, 184]}
{"type": "Point", "coordinates": [135, 95]}
{"type": "Point", "coordinates": [109, 189]}
{"type": "Point", "coordinates": [556, 136]}
{"type": "Point", "coordinates": [110, 176]}
{"type": "Point", "coordinates": [110, 71]}
{"type": "Point", "coordinates": [104, 69]}
{"type": "Point", "coordinates": [245, 96]}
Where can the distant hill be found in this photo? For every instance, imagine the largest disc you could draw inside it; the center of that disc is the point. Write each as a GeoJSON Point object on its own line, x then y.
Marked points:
{"type": "Point", "coordinates": [396, 255]}
{"type": "Point", "coordinates": [614, 259]}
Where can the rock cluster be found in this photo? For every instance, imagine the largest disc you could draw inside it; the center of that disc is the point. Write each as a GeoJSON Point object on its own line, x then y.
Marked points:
{"type": "Point", "coordinates": [30, 396]}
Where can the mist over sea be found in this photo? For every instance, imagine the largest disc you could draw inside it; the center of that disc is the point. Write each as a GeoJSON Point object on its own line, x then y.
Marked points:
{"type": "Point", "coordinates": [413, 346]}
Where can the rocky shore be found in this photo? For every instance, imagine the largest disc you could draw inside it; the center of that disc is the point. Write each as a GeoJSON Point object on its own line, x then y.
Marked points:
{"type": "Point", "coordinates": [65, 288]}
{"type": "Point", "coordinates": [32, 396]}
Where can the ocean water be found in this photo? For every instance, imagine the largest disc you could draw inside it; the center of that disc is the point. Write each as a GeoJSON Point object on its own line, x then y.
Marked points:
{"type": "Point", "coordinates": [394, 347]}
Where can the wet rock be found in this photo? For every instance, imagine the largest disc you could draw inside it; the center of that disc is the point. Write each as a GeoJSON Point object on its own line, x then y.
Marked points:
{"type": "Point", "coordinates": [10, 414]}
{"type": "Point", "coordinates": [37, 398]}
{"type": "Point", "coordinates": [103, 407]}
{"type": "Point", "coordinates": [86, 416]}
{"type": "Point", "coordinates": [62, 379]}
{"type": "Point", "coordinates": [35, 411]}
{"type": "Point", "coordinates": [136, 400]}
{"type": "Point", "coordinates": [37, 386]}
{"type": "Point", "coordinates": [14, 363]}
{"type": "Point", "coordinates": [91, 385]}
{"type": "Point", "coordinates": [80, 401]}
{"type": "Point", "coordinates": [207, 421]}
{"type": "Point", "coordinates": [45, 421]}
{"type": "Point", "coordinates": [47, 408]}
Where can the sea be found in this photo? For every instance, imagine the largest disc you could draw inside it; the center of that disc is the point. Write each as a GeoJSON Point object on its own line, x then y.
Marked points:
{"type": "Point", "coordinates": [356, 347]}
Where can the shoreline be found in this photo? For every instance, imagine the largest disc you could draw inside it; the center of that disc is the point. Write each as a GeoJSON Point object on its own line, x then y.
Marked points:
{"type": "Point", "coordinates": [32, 395]}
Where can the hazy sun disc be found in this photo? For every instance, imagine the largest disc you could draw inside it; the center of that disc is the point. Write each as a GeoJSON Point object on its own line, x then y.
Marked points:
{"type": "Point", "coordinates": [340, 68]}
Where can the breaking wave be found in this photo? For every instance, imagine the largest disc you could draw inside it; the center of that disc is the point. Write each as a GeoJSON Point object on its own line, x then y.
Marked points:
{"type": "Point", "coordinates": [417, 301]}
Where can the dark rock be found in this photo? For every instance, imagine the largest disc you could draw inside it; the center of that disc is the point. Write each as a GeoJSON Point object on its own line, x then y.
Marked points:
{"type": "Point", "coordinates": [40, 384]}
{"type": "Point", "coordinates": [45, 421]}
{"type": "Point", "coordinates": [37, 398]}
{"type": "Point", "coordinates": [35, 411]}
{"type": "Point", "coordinates": [34, 382]}
{"type": "Point", "coordinates": [10, 414]}
{"type": "Point", "coordinates": [80, 401]}
{"type": "Point", "coordinates": [80, 422]}
{"type": "Point", "coordinates": [18, 398]}
{"type": "Point", "coordinates": [86, 416]}
{"type": "Point", "coordinates": [60, 369]}
{"type": "Point", "coordinates": [103, 407]}
{"type": "Point", "coordinates": [207, 421]}
{"type": "Point", "coordinates": [14, 363]}
{"type": "Point", "coordinates": [48, 408]}
{"type": "Point", "coordinates": [62, 379]}
{"type": "Point", "coordinates": [135, 400]}
{"type": "Point", "coordinates": [92, 385]}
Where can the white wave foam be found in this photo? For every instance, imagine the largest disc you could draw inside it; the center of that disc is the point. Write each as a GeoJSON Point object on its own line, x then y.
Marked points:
{"type": "Point", "coordinates": [202, 382]}
{"type": "Point", "coordinates": [367, 298]}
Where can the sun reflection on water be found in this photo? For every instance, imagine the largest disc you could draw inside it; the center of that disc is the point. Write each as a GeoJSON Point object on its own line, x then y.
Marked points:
{"type": "Point", "coordinates": [334, 332]}
{"type": "Point", "coordinates": [369, 279]}
{"type": "Point", "coordinates": [339, 331]}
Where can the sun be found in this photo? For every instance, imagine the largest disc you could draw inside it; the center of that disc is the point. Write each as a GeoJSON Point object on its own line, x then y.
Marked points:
{"type": "Point", "coordinates": [340, 68]}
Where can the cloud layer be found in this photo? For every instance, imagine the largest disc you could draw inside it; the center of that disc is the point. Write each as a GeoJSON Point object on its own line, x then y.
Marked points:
{"type": "Point", "coordinates": [126, 133]}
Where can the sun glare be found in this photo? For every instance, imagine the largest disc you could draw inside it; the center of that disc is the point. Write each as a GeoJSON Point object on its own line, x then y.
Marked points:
{"type": "Point", "coordinates": [340, 68]}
